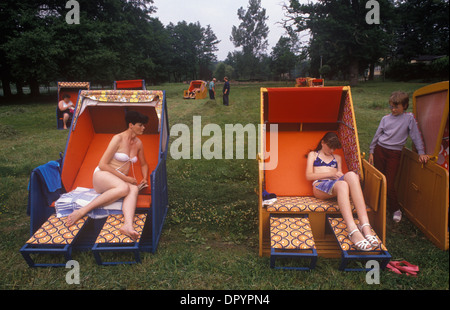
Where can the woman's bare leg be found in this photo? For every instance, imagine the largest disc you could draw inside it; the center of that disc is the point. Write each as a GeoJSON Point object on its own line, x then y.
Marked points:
{"type": "Point", "coordinates": [65, 119]}
{"type": "Point", "coordinates": [128, 209]}
{"type": "Point", "coordinates": [111, 189]}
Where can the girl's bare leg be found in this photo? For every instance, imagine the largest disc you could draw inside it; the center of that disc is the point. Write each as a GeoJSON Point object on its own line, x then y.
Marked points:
{"type": "Point", "coordinates": [341, 190]}
{"type": "Point", "coordinates": [356, 193]}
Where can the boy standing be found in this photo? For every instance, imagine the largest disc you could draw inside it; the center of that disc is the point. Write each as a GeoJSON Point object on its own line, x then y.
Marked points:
{"type": "Point", "coordinates": [387, 144]}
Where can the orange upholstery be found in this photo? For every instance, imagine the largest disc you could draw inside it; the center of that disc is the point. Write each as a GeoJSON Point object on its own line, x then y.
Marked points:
{"type": "Point", "coordinates": [87, 145]}
{"type": "Point", "coordinates": [130, 84]}
{"type": "Point", "coordinates": [195, 84]}
{"type": "Point", "coordinates": [79, 142]}
{"type": "Point", "coordinates": [288, 178]}
{"type": "Point", "coordinates": [97, 148]}
{"type": "Point", "coordinates": [301, 105]}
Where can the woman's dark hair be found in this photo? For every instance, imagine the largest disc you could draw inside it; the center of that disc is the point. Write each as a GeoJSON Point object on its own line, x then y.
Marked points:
{"type": "Point", "coordinates": [134, 117]}
{"type": "Point", "coordinates": [331, 139]}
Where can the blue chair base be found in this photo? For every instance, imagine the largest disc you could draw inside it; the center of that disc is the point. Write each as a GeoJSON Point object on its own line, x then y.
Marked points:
{"type": "Point", "coordinates": [291, 237]}
{"type": "Point", "coordinates": [349, 253]}
{"type": "Point", "coordinates": [98, 248]}
{"type": "Point", "coordinates": [382, 257]}
{"type": "Point", "coordinates": [312, 256]}
{"type": "Point", "coordinates": [27, 250]}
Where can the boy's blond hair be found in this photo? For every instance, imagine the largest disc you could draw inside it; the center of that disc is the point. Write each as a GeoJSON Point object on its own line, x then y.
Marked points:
{"type": "Point", "coordinates": [399, 97]}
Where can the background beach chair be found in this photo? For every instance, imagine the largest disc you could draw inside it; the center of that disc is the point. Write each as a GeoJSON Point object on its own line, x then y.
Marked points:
{"type": "Point", "coordinates": [198, 87]}
{"type": "Point", "coordinates": [129, 85]}
{"type": "Point", "coordinates": [100, 115]}
{"type": "Point", "coordinates": [303, 116]}
{"type": "Point", "coordinates": [317, 83]}
{"type": "Point", "coordinates": [72, 89]}
{"type": "Point", "coordinates": [302, 82]}
{"type": "Point", "coordinates": [423, 189]}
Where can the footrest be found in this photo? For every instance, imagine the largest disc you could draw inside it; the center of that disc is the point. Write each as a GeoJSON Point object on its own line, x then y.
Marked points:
{"type": "Point", "coordinates": [292, 237]}
{"type": "Point", "coordinates": [350, 252]}
{"type": "Point", "coordinates": [111, 239]}
{"type": "Point", "coordinates": [53, 237]}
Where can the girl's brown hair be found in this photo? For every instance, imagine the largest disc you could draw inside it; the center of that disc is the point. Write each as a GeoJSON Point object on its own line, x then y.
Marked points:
{"type": "Point", "coordinates": [331, 139]}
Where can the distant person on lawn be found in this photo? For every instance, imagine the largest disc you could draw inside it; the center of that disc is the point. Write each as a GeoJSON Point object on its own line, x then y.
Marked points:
{"type": "Point", "coordinates": [226, 91]}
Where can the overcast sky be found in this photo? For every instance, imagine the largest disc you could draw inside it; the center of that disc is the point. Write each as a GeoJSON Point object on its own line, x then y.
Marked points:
{"type": "Point", "coordinates": [221, 15]}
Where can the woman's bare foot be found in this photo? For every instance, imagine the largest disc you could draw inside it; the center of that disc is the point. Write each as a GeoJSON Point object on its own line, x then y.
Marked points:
{"type": "Point", "coordinates": [129, 231]}
{"type": "Point", "coordinates": [74, 217]}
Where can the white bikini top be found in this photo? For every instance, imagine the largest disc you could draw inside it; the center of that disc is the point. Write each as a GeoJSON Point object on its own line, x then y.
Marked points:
{"type": "Point", "coordinates": [125, 159]}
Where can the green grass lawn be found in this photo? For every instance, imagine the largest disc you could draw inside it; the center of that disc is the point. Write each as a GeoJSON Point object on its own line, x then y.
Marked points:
{"type": "Point", "coordinates": [210, 239]}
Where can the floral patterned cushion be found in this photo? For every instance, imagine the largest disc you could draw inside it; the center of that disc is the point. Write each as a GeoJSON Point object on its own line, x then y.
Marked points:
{"type": "Point", "coordinates": [291, 233]}
{"type": "Point", "coordinates": [110, 232]}
{"type": "Point", "coordinates": [340, 230]}
{"type": "Point", "coordinates": [303, 204]}
{"type": "Point", "coordinates": [55, 231]}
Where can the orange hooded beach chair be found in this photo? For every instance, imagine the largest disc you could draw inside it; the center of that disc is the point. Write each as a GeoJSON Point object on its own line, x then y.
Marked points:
{"type": "Point", "coordinates": [197, 90]}
{"type": "Point", "coordinates": [98, 116]}
{"type": "Point", "coordinates": [297, 224]}
{"type": "Point", "coordinates": [72, 89]}
{"type": "Point", "coordinates": [129, 85]}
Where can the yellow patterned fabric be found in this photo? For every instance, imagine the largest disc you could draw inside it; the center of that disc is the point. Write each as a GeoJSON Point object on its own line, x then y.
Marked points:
{"type": "Point", "coordinates": [291, 234]}
{"type": "Point", "coordinates": [118, 97]}
{"type": "Point", "coordinates": [123, 96]}
{"type": "Point", "coordinates": [110, 232]}
{"type": "Point", "coordinates": [55, 231]}
{"type": "Point", "coordinates": [340, 230]}
{"type": "Point", "coordinates": [303, 204]}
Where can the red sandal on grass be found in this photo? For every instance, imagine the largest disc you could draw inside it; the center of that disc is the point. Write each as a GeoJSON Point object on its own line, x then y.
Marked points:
{"type": "Point", "coordinates": [403, 266]}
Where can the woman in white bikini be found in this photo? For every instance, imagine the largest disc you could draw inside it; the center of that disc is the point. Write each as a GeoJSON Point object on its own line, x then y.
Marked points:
{"type": "Point", "coordinates": [325, 169]}
{"type": "Point", "coordinates": [111, 178]}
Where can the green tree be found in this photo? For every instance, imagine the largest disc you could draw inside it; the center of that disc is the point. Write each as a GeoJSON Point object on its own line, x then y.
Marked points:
{"type": "Point", "coordinates": [207, 52]}
{"type": "Point", "coordinates": [283, 59]}
{"type": "Point", "coordinates": [115, 40]}
{"type": "Point", "coordinates": [26, 49]}
{"type": "Point", "coordinates": [340, 34]}
{"type": "Point", "coordinates": [251, 36]}
{"type": "Point", "coordinates": [422, 28]}
{"type": "Point", "coordinates": [193, 48]}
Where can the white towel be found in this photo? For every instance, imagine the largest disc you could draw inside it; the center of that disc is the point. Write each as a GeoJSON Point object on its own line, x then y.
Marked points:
{"type": "Point", "coordinates": [79, 198]}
